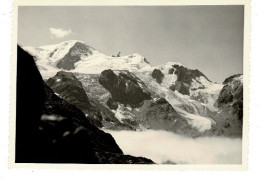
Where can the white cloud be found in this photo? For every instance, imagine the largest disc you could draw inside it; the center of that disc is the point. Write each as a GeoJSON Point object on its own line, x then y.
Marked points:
{"type": "Point", "coordinates": [59, 32]}
{"type": "Point", "coordinates": [163, 147]}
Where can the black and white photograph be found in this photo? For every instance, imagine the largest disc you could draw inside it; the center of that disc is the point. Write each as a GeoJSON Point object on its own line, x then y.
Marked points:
{"type": "Point", "coordinates": [141, 85]}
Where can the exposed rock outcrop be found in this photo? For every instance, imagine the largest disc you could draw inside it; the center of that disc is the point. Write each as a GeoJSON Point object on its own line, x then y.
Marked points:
{"type": "Point", "coordinates": [231, 78]}
{"type": "Point", "coordinates": [185, 77]}
{"type": "Point", "coordinates": [51, 130]}
{"type": "Point", "coordinates": [158, 75]}
{"type": "Point", "coordinates": [79, 49]}
{"type": "Point", "coordinates": [182, 87]}
{"type": "Point", "coordinates": [124, 87]}
{"type": "Point", "coordinates": [232, 90]}
{"type": "Point", "coordinates": [160, 115]}
{"type": "Point", "coordinates": [112, 104]}
{"type": "Point", "coordinates": [230, 103]}
{"type": "Point", "coordinates": [69, 88]}
{"type": "Point", "coordinates": [232, 94]}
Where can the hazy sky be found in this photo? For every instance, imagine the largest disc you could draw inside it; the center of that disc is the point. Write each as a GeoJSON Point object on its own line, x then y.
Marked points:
{"type": "Point", "coordinates": [208, 38]}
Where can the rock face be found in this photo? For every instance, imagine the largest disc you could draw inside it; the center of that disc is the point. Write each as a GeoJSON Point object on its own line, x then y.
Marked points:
{"type": "Point", "coordinates": [112, 104]}
{"type": "Point", "coordinates": [232, 90]}
{"type": "Point", "coordinates": [50, 130]}
{"type": "Point", "coordinates": [69, 88]}
{"type": "Point", "coordinates": [232, 93]}
{"type": "Point", "coordinates": [73, 56]}
{"type": "Point", "coordinates": [160, 115]}
{"type": "Point", "coordinates": [158, 75]}
{"type": "Point", "coordinates": [231, 78]}
{"type": "Point", "coordinates": [124, 87]}
{"type": "Point", "coordinates": [185, 77]}
{"type": "Point", "coordinates": [182, 87]}
{"type": "Point", "coordinates": [230, 103]}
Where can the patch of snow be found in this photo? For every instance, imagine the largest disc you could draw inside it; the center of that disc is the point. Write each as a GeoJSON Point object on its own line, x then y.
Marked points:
{"type": "Point", "coordinates": [209, 93]}
{"type": "Point", "coordinates": [196, 121]}
{"type": "Point", "coordinates": [129, 108]}
{"type": "Point", "coordinates": [119, 114]}
{"type": "Point", "coordinates": [155, 99]}
{"type": "Point", "coordinates": [168, 80]}
{"type": "Point", "coordinates": [51, 117]}
{"type": "Point", "coordinates": [123, 112]}
{"type": "Point", "coordinates": [240, 78]}
{"type": "Point", "coordinates": [66, 133]}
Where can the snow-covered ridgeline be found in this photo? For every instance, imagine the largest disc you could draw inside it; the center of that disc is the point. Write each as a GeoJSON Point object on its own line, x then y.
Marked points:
{"type": "Point", "coordinates": [48, 57]}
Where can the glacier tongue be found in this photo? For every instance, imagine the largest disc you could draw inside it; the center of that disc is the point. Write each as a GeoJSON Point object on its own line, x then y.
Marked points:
{"type": "Point", "coordinates": [196, 121]}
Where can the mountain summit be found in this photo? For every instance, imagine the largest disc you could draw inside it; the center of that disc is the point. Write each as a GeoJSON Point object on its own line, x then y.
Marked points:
{"type": "Point", "coordinates": [76, 56]}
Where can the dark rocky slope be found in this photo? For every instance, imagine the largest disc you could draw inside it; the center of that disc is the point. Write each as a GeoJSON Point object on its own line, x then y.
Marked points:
{"type": "Point", "coordinates": [230, 103]}
{"type": "Point", "coordinates": [158, 75]}
{"type": "Point", "coordinates": [69, 88]}
{"type": "Point", "coordinates": [124, 87]}
{"type": "Point", "coordinates": [185, 77]}
{"type": "Point", "coordinates": [50, 130]}
{"type": "Point", "coordinates": [160, 115]}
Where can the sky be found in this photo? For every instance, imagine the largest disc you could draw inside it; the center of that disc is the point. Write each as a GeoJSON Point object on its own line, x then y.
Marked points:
{"type": "Point", "coordinates": [208, 38]}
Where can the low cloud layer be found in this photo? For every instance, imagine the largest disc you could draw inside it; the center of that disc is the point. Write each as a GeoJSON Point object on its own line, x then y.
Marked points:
{"type": "Point", "coordinates": [59, 32]}
{"type": "Point", "coordinates": [167, 147]}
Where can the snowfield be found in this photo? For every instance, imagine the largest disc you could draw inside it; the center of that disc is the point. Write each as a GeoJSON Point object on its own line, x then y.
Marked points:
{"type": "Point", "coordinates": [49, 56]}
{"type": "Point", "coordinates": [97, 63]}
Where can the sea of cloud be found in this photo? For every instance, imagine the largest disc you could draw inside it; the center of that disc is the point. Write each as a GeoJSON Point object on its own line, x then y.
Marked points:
{"type": "Point", "coordinates": [166, 147]}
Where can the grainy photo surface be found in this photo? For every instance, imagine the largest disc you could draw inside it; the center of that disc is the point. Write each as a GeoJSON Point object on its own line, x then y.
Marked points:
{"type": "Point", "coordinates": [130, 85]}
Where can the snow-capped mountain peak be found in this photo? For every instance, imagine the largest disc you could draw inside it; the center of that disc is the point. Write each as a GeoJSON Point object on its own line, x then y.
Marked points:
{"type": "Point", "coordinates": [77, 56]}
